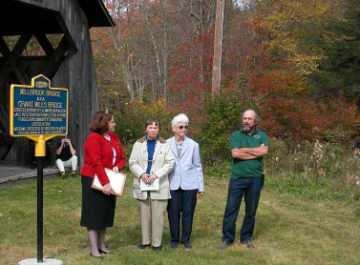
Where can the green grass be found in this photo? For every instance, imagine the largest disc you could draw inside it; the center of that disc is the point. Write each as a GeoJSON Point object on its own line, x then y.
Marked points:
{"type": "Point", "coordinates": [291, 228]}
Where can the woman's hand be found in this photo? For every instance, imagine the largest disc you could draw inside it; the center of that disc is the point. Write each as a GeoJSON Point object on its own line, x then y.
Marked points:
{"type": "Point", "coordinates": [201, 193]}
{"type": "Point", "coordinates": [107, 189]}
{"type": "Point", "coordinates": [152, 177]}
{"type": "Point", "coordinates": [146, 178]}
{"type": "Point", "coordinates": [116, 169]}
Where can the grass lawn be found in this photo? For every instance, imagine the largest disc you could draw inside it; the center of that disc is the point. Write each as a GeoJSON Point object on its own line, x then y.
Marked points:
{"type": "Point", "coordinates": [289, 229]}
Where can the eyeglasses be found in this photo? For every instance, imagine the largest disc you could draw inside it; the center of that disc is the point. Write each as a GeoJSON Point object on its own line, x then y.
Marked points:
{"type": "Point", "coordinates": [183, 127]}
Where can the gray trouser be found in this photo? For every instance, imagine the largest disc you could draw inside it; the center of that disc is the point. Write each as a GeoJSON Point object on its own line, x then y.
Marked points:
{"type": "Point", "coordinates": [152, 220]}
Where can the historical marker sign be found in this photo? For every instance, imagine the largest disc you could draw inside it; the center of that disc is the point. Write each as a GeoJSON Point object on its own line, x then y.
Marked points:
{"type": "Point", "coordinates": [38, 112]}
{"type": "Point", "coordinates": [38, 109]}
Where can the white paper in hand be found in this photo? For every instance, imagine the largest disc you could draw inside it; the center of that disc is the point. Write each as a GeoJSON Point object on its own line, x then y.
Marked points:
{"type": "Point", "coordinates": [117, 182]}
{"type": "Point", "coordinates": [153, 186]}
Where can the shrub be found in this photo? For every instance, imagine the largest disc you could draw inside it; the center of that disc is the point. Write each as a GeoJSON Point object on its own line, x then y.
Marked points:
{"type": "Point", "coordinates": [131, 119]}
{"type": "Point", "coordinates": [221, 115]}
{"type": "Point", "coordinates": [299, 118]}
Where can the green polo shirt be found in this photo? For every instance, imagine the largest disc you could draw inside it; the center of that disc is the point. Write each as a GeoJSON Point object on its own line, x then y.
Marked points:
{"type": "Point", "coordinates": [251, 167]}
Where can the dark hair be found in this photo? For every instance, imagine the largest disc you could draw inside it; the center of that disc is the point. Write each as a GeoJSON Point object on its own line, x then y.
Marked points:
{"type": "Point", "coordinates": [151, 121]}
{"type": "Point", "coordinates": [99, 121]}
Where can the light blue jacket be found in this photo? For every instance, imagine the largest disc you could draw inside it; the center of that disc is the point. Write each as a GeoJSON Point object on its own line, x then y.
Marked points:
{"type": "Point", "coordinates": [187, 173]}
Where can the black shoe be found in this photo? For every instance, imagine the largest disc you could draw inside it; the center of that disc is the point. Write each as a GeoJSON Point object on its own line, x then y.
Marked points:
{"type": "Point", "coordinates": [143, 246]}
{"type": "Point", "coordinates": [224, 245]}
{"type": "Point", "coordinates": [174, 244]}
{"type": "Point", "coordinates": [187, 245]}
{"type": "Point", "coordinates": [248, 243]}
{"type": "Point", "coordinates": [107, 252]}
{"type": "Point", "coordinates": [157, 249]}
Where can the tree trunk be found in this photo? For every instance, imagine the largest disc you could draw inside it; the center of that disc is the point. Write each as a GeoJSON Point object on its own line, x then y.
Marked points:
{"type": "Point", "coordinates": [165, 52]}
{"type": "Point", "coordinates": [216, 73]}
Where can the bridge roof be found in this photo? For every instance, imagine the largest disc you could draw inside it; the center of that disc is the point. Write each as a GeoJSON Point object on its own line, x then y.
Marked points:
{"type": "Point", "coordinates": [31, 16]}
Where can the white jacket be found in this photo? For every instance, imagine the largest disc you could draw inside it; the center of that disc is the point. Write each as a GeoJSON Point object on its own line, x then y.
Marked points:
{"type": "Point", "coordinates": [163, 163]}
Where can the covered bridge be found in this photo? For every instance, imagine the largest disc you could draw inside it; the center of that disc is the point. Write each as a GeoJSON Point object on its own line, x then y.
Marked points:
{"type": "Point", "coordinates": [61, 29]}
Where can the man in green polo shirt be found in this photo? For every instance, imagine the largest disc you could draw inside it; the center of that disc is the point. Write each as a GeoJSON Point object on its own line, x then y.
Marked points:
{"type": "Point", "coordinates": [247, 146]}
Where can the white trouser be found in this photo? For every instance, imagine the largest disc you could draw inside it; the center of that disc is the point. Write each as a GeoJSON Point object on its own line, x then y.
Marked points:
{"type": "Point", "coordinates": [72, 162]}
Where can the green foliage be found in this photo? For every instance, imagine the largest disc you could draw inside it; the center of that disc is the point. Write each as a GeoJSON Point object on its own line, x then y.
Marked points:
{"type": "Point", "coordinates": [338, 70]}
{"type": "Point", "coordinates": [131, 119]}
{"type": "Point", "coordinates": [221, 116]}
{"type": "Point", "coordinates": [338, 134]}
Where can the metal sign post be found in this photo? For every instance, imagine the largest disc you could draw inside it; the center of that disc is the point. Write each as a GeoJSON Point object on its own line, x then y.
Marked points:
{"type": "Point", "coordinates": [39, 113]}
{"type": "Point", "coordinates": [39, 210]}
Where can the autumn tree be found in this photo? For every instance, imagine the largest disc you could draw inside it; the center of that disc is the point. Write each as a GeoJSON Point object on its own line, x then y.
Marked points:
{"type": "Point", "coordinates": [290, 37]}
{"type": "Point", "coordinates": [338, 70]}
{"type": "Point", "coordinates": [276, 55]}
{"type": "Point", "coordinates": [144, 45]}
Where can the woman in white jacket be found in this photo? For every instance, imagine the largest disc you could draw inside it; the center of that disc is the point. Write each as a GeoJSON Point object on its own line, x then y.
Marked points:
{"type": "Point", "coordinates": [186, 181]}
{"type": "Point", "coordinates": [150, 162]}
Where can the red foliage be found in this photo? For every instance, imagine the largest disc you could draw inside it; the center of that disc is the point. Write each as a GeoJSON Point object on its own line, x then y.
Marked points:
{"type": "Point", "coordinates": [190, 70]}
{"type": "Point", "coordinates": [288, 112]}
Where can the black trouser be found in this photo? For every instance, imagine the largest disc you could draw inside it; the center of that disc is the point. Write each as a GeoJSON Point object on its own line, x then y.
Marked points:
{"type": "Point", "coordinates": [181, 201]}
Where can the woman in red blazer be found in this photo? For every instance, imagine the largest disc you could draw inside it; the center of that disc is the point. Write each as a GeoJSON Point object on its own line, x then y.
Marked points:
{"type": "Point", "coordinates": [102, 149]}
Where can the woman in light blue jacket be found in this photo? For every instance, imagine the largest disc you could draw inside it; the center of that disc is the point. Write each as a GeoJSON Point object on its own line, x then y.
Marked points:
{"type": "Point", "coordinates": [186, 181]}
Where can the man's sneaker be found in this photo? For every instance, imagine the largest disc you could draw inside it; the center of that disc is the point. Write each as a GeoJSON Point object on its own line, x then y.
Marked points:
{"type": "Point", "coordinates": [248, 243]}
{"type": "Point", "coordinates": [224, 245]}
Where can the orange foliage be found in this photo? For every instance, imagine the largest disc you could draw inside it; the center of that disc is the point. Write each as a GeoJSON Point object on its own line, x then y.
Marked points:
{"type": "Point", "coordinates": [288, 112]}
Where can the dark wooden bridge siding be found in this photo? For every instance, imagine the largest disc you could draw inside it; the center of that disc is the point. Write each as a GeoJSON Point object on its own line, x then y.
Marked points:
{"type": "Point", "coordinates": [76, 72]}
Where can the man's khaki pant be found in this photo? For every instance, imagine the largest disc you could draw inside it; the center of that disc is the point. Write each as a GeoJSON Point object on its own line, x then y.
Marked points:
{"type": "Point", "coordinates": [152, 220]}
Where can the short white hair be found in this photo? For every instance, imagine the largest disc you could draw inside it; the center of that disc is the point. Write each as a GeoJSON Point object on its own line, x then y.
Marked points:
{"type": "Point", "coordinates": [179, 118]}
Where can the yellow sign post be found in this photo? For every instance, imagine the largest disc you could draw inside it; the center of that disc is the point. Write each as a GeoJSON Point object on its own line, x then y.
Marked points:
{"type": "Point", "coordinates": [39, 113]}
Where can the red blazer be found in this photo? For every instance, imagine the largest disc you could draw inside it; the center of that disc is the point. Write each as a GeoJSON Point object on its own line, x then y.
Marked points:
{"type": "Point", "coordinates": [98, 154]}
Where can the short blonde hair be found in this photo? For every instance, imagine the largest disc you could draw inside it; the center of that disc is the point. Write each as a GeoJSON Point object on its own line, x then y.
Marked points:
{"type": "Point", "coordinates": [179, 118]}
